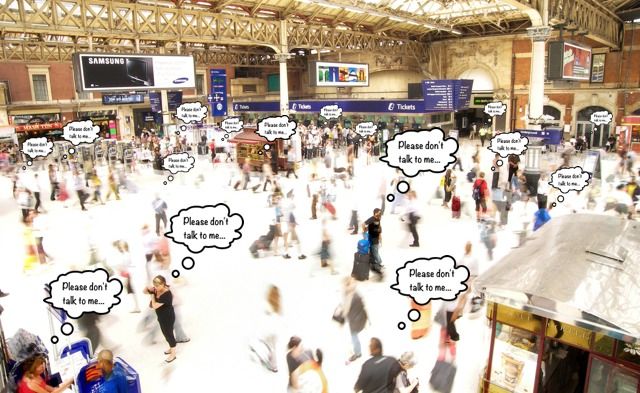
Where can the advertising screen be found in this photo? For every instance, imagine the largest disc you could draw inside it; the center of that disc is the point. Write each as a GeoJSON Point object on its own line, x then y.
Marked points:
{"type": "Point", "coordinates": [109, 72]}
{"type": "Point", "coordinates": [576, 63]}
{"type": "Point", "coordinates": [325, 74]}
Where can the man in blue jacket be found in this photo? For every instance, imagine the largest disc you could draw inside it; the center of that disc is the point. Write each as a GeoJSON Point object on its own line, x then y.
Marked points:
{"type": "Point", "coordinates": [114, 380]}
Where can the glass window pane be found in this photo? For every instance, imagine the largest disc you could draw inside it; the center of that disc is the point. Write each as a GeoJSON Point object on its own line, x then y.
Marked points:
{"type": "Point", "coordinates": [200, 84]}
{"type": "Point", "coordinates": [606, 377]}
{"type": "Point", "coordinates": [40, 87]}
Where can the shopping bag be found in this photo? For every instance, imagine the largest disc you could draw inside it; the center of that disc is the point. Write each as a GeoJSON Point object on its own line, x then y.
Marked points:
{"type": "Point", "coordinates": [338, 315]}
{"type": "Point", "coordinates": [442, 376]}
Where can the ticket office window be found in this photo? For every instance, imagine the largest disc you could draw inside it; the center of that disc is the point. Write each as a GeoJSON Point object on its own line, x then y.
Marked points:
{"type": "Point", "coordinates": [607, 377]}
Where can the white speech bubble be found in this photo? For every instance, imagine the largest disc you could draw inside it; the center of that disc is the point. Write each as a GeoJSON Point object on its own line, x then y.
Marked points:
{"type": "Point", "coordinates": [420, 151]}
{"type": "Point", "coordinates": [366, 129]}
{"type": "Point", "coordinates": [276, 127]}
{"type": "Point", "coordinates": [508, 143]}
{"type": "Point", "coordinates": [179, 162]}
{"type": "Point", "coordinates": [200, 227]}
{"type": "Point", "coordinates": [191, 112]}
{"type": "Point", "coordinates": [426, 279]}
{"type": "Point", "coordinates": [232, 124]}
{"type": "Point", "coordinates": [496, 108]}
{"type": "Point", "coordinates": [570, 179]}
{"type": "Point", "coordinates": [601, 117]}
{"type": "Point", "coordinates": [37, 147]}
{"type": "Point", "coordinates": [331, 112]}
{"type": "Point", "coordinates": [78, 132]}
{"type": "Point", "coordinates": [87, 291]}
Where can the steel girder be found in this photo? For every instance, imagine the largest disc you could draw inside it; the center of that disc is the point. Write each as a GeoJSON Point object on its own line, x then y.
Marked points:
{"type": "Point", "coordinates": [160, 23]}
{"type": "Point", "coordinates": [40, 51]}
{"type": "Point", "coordinates": [589, 16]}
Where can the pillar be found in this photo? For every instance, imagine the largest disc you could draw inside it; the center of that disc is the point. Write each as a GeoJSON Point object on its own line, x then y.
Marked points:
{"type": "Point", "coordinates": [538, 35]}
{"type": "Point", "coordinates": [282, 57]}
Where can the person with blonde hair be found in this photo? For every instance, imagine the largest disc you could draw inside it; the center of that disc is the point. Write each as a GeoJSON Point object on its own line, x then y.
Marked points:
{"type": "Point", "coordinates": [32, 381]}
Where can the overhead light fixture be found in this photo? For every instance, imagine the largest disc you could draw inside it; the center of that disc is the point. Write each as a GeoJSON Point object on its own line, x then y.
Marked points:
{"type": "Point", "coordinates": [397, 19]}
{"type": "Point", "coordinates": [413, 23]}
{"type": "Point", "coordinates": [328, 5]}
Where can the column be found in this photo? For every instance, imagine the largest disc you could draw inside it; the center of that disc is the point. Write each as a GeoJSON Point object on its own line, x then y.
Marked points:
{"type": "Point", "coordinates": [284, 83]}
{"type": "Point", "coordinates": [538, 35]}
{"type": "Point", "coordinates": [282, 57]}
{"type": "Point", "coordinates": [166, 115]}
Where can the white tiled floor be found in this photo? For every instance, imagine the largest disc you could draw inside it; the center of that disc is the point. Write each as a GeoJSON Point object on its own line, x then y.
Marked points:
{"type": "Point", "coordinates": [222, 298]}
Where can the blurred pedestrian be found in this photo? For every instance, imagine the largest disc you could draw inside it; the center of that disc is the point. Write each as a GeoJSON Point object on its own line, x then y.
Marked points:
{"type": "Point", "coordinates": [302, 362]}
{"type": "Point", "coordinates": [373, 227]}
{"type": "Point", "coordinates": [160, 209]}
{"type": "Point", "coordinates": [355, 314]}
{"type": "Point", "coordinates": [378, 373]}
{"type": "Point", "coordinates": [413, 217]}
{"type": "Point", "coordinates": [404, 382]}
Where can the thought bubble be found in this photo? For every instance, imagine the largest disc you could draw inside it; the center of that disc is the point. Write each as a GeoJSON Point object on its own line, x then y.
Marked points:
{"type": "Point", "coordinates": [82, 292]}
{"type": "Point", "coordinates": [601, 117]}
{"type": "Point", "coordinates": [276, 127]}
{"type": "Point", "coordinates": [331, 112]}
{"type": "Point", "coordinates": [420, 151]}
{"type": "Point", "coordinates": [509, 143]}
{"type": "Point", "coordinates": [200, 227]}
{"type": "Point", "coordinates": [570, 179]}
{"type": "Point", "coordinates": [426, 279]}
{"type": "Point", "coordinates": [78, 132]}
{"type": "Point", "coordinates": [232, 124]}
{"type": "Point", "coordinates": [191, 112]}
{"type": "Point", "coordinates": [366, 129]}
{"type": "Point", "coordinates": [37, 147]}
{"type": "Point", "coordinates": [496, 108]}
{"type": "Point", "coordinates": [179, 162]}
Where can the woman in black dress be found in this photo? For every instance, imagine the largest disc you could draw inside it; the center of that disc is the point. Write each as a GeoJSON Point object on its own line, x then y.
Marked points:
{"type": "Point", "coordinates": [162, 302]}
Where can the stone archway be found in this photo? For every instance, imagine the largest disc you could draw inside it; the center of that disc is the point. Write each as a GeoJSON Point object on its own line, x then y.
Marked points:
{"type": "Point", "coordinates": [484, 78]}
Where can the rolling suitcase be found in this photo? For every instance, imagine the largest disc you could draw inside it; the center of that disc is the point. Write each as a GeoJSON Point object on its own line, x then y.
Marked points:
{"type": "Point", "coordinates": [330, 208]}
{"type": "Point", "coordinates": [360, 266]}
{"type": "Point", "coordinates": [455, 206]}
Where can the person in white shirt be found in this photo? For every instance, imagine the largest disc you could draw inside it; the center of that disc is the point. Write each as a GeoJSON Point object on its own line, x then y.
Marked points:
{"type": "Point", "coordinates": [624, 203]}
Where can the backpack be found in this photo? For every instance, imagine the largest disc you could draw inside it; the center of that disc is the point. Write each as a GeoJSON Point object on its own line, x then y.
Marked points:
{"type": "Point", "coordinates": [477, 193]}
{"type": "Point", "coordinates": [364, 244]}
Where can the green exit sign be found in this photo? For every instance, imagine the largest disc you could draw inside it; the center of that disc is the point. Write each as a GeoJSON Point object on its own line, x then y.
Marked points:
{"type": "Point", "coordinates": [482, 100]}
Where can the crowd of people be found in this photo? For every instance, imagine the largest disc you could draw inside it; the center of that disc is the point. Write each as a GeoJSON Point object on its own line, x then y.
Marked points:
{"type": "Point", "coordinates": [497, 196]}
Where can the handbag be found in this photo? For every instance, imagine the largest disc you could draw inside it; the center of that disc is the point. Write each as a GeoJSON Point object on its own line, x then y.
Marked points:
{"type": "Point", "coordinates": [442, 376]}
{"type": "Point", "coordinates": [338, 315]}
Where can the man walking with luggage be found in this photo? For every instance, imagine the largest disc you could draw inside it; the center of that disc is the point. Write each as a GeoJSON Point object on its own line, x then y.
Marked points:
{"type": "Point", "coordinates": [374, 227]}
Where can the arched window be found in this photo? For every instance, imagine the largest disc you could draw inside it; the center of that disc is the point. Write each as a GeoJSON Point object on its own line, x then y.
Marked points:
{"type": "Point", "coordinates": [552, 112]}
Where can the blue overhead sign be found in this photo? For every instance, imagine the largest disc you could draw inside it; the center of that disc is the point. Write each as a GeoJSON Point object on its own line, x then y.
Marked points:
{"type": "Point", "coordinates": [218, 96]}
{"type": "Point", "coordinates": [348, 106]}
{"type": "Point", "coordinates": [174, 99]}
{"type": "Point", "coordinates": [446, 95]}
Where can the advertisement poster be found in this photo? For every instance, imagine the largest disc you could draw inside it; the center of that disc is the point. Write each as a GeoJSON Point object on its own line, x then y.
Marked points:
{"type": "Point", "coordinates": [597, 68]}
{"type": "Point", "coordinates": [576, 63]}
{"type": "Point", "coordinates": [341, 74]}
{"type": "Point", "coordinates": [513, 368]}
{"type": "Point", "coordinates": [107, 72]}
{"type": "Point", "coordinates": [218, 97]}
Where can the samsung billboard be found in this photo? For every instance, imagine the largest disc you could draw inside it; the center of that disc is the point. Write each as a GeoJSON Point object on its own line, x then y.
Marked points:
{"type": "Point", "coordinates": [110, 72]}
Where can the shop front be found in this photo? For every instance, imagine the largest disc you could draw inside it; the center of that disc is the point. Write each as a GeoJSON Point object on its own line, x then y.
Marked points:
{"type": "Point", "coordinates": [146, 119]}
{"type": "Point", "coordinates": [563, 310]}
{"type": "Point", "coordinates": [106, 120]}
{"type": "Point", "coordinates": [629, 133]}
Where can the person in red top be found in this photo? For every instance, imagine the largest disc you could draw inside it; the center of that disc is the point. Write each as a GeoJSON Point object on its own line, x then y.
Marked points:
{"type": "Point", "coordinates": [32, 381]}
{"type": "Point", "coordinates": [480, 195]}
